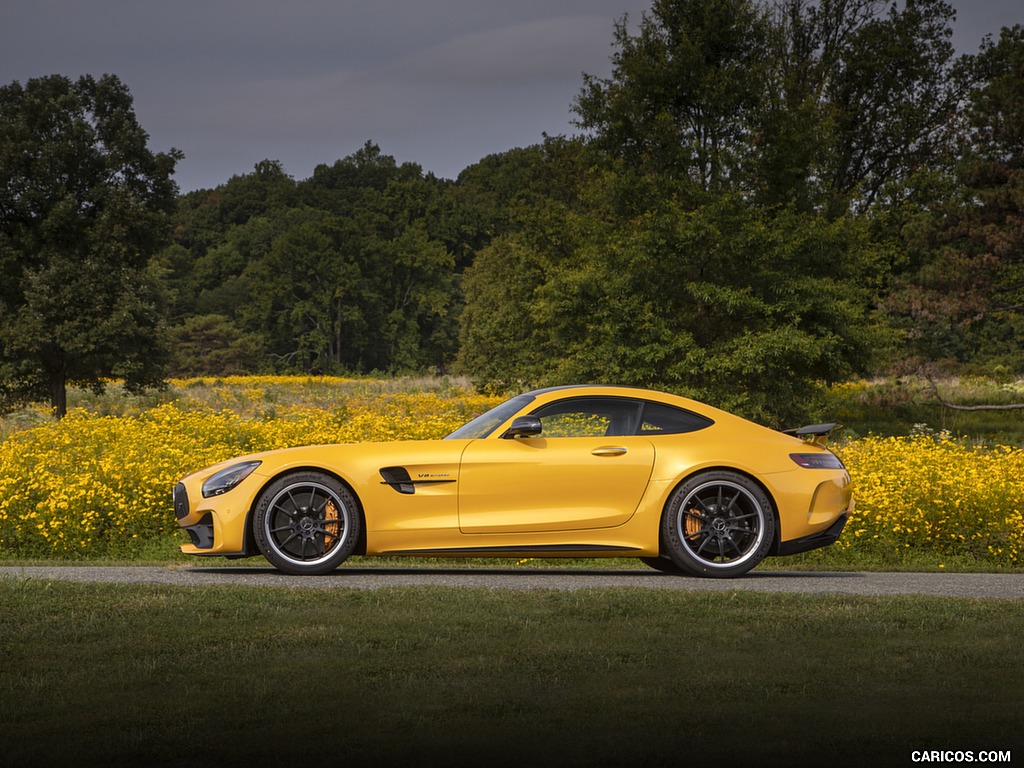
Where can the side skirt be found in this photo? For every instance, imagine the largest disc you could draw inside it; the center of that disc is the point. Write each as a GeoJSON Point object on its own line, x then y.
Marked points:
{"type": "Point", "coordinates": [540, 550]}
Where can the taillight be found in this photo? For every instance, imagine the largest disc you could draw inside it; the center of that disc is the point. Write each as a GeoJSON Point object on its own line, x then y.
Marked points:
{"type": "Point", "coordinates": [817, 460]}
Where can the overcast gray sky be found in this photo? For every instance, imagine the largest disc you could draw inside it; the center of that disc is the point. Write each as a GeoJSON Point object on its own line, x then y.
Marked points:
{"type": "Point", "coordinates": [441, 83]}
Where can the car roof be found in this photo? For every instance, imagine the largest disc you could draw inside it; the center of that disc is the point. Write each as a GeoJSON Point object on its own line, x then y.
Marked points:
{"type": "Point", "coordinates": [624, 387]}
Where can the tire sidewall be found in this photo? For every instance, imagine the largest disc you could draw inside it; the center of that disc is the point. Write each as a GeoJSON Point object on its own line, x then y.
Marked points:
{"type": "Point", "coordinates": [341, 551]}
{"type": "Point", "coordinates": [678, 552]}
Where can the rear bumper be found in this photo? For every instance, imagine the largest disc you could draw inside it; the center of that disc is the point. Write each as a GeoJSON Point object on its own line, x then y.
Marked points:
{"type": "Point", "coordinates": [814, 541]}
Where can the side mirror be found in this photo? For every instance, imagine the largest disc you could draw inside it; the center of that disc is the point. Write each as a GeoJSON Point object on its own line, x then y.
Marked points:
{"type": "Point", "coordinates": [523, 426]}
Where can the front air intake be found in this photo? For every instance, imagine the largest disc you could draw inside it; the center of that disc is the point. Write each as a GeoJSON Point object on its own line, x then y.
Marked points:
{"type": "Point", "coordinates": [180, 501]}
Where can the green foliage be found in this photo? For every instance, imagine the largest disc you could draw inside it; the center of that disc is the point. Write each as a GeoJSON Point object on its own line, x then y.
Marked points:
{"type": "Point", "coordinates": [747, 309]}
{"type": "Point", "coordinates": [345, 271]}
{"type": "Point", "coordinates": [684, 92]}
{"type": "Point", "coordinates": [83, 208]}
{"type": "Point", "coordinates": [214, 345]}
{"type": "Point", "coordinates": [739, 219]}
{"type": "Point", "coordinates": [768, 197]}
{"type": "Point", "coordinates": [501, 343]}
{"type": "Point", "coordinates": [824, 104]}
{"type": "Point", "coordinates": [962, 294]}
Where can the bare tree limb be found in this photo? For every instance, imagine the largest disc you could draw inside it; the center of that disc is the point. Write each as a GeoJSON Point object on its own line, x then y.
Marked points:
{"type": "Point", "coordinates": [953, 406]}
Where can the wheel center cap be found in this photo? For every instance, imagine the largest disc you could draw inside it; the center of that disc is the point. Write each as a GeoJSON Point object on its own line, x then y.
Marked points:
{"type": "Point", "coordinates": [719, 525]}
{"type": "Point", "coordinates": [306, 524]}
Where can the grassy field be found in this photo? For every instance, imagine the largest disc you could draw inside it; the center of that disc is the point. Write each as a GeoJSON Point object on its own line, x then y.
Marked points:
{"type": "Point", "coordinates": [144, 675]}
{"type": "Point", "coordinates": [882, 407]}
{"type": "Point", "coordinates": [901, 406]}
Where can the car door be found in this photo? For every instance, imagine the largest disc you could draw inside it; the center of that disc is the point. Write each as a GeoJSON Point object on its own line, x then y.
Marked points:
{"type": "Point", "coordinates": [586, 470]}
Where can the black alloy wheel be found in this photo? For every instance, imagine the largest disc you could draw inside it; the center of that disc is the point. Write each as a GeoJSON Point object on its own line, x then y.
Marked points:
{"type": "Point", "coordinates": [306, 523]}
{"type": "Point", "coordinates": [718, 524]}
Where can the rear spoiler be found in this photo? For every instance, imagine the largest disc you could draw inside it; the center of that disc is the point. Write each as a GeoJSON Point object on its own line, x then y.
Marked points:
{"type": "Point", "coordinates": [813, 433]}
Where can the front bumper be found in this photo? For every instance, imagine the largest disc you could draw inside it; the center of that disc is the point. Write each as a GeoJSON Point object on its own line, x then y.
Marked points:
{"type": "Point", "coordinates": [216, 526]}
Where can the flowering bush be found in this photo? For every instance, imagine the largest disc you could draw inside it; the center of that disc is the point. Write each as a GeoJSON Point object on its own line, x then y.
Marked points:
{"type": "Point", "coordinates": [933, 492]}
{"type": "Point", "coordinates": [89, 484]}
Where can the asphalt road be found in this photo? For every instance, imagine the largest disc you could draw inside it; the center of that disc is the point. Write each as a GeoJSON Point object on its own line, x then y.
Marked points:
{"type": "Point", "coordinates": [971, 585]}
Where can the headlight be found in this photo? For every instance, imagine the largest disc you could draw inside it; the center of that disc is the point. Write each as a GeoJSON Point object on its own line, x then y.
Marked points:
{"type": "Point", "coordinates": [228, 478]}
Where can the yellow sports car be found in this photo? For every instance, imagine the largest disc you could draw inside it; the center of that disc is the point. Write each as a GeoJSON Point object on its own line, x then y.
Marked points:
{"type": "Point", "coordinates": [562, 472]}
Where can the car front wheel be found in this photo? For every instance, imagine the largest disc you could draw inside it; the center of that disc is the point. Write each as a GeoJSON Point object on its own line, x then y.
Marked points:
{"type": "Point", "coordinates": [306, 523]}
{"type": "Point", "coordinates": [718, 524]}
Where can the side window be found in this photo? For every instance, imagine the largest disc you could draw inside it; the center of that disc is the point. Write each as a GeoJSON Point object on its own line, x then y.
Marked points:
{"type": "Point", "coordinates": [575, 425]}
{"type": "Point", "coordinates": [589, 417]}
{"type": "Point", "coordinates": [661, 419]}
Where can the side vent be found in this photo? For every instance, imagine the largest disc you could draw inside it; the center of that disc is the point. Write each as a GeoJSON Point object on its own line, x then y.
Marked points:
{"type": "Point", "coordinates": [398, 478]}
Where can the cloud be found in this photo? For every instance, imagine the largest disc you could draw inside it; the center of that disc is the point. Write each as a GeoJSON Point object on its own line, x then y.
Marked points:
{"type": "Point", "coordinates": [423, 89]}
{"type": "Point", "coordinates": [513, 56]}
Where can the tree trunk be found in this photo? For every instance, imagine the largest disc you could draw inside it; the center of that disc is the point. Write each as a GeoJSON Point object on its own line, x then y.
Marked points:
{"type": "Point", "coordinates": [59, 390]}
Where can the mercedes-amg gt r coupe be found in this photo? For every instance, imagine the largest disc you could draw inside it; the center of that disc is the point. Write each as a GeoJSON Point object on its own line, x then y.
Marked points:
{"type": "Point", "coordinates": [583, 471]}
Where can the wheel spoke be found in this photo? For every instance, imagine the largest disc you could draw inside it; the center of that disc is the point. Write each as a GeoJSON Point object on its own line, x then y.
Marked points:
{"type": "Point", "coordinates": [707, 540]}
{"type": "Point", "coordinates": [704, 506]}
{"type": "Point", "coordinates": [283, 511]}
{"type": "Point", "coordinates": [734, 545]}
{"type": "Point", "coordinates": [733, 502]}
{"type": "Point", "coordinates": [321, 530]}
{"type": "Point", "coordinates": [743, 517]}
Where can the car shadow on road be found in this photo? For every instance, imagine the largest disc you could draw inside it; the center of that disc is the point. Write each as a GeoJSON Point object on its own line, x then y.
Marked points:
{"type": "Point", "coordinates": [534, 572]}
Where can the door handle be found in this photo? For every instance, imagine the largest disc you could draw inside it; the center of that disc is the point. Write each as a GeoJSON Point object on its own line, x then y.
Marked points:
{"type": "Point", "coordinates": [609, 450]}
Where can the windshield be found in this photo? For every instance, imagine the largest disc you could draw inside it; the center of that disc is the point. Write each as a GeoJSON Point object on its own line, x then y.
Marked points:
{"type": "Point", "coordinates": [486, 423]}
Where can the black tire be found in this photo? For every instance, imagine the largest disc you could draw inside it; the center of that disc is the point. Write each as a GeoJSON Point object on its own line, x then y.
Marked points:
{"type": "Point", "coordinates": [665, 565]}
{"type": "Point", "coordinates": [718, 524]}
{"type": "Point", "coordinates": [306, 523]}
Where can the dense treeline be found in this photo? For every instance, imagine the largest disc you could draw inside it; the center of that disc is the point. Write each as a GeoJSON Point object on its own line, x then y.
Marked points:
{"type": "Point", "coordinates": [763, 198]}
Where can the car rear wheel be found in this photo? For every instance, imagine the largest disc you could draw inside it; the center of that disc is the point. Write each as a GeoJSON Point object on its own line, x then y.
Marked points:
{"type": "Point", "coordinates": [306, 523]}
{"type": "Point", "coordinates": [718, 524]}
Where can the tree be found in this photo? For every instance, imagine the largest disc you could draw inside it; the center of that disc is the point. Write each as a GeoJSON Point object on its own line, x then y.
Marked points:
{"type": "Point", "coordinates": [828, 104]}
{"type": "Point", "coordinates": [501, 342]}
{"type": "Point", "coordinates": [724, 238]}
{"type": "Point", "coordinates": [963, 295]}
{"type": "Point", "coordinates": [84, 206]}
{"type": "Point", "coordinates": [892, 95]}
{"type": "Point", "coordinates": [746, 309]}
{"type": "Point", "coordinates": [213, 345]}
{"type": "Point", "coordinates": [684, 92]}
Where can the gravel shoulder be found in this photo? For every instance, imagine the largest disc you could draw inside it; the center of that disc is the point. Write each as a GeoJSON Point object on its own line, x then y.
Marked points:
{"type": "Point", "coordinates": [967, 585]}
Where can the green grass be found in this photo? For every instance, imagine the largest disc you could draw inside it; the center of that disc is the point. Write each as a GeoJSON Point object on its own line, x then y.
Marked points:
{"type": "Point", "coordinates": [145, 675]}
{"type": "Point", "coordinates": [901, 406]}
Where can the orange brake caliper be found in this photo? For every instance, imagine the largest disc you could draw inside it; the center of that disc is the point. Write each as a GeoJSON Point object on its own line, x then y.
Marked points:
{"type": "Point", "coordinates": [692, 524]}
{"type": "Point", "coordinates": [330, 516]}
